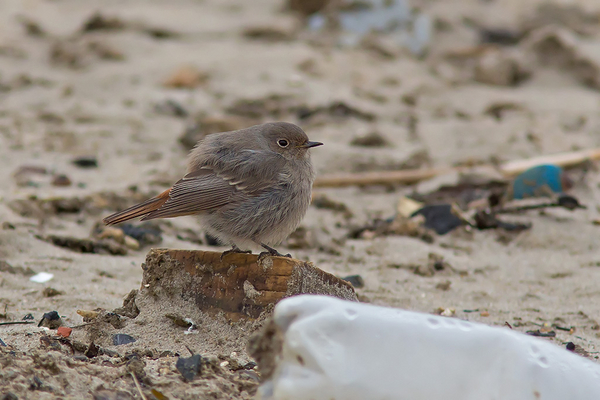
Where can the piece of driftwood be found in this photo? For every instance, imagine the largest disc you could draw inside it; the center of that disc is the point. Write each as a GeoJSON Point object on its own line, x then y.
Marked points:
{"type": "Point", "coordinates": [508, 169]}
{"type": "Point", "coordinates": [239, 284]}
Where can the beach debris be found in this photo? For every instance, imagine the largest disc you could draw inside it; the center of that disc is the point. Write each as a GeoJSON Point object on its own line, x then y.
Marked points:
{"type": "Point", "coordinates": [51, 320]}
{"type": "Point", "coordinates": [356, 281]}
{"type": "Point", "coordinates": [440, 218]}
{"type": "Point", "coordinates": [146, 233]}
{"type": "Point", "coordinates": [61, 180]}
{"type": "Point", "coordinates": [269, 33]}
{"type": "Point", "coordinates": [507, 169]}
{"type": "Point", "coordinates": [79, 245]}
{"type": "Point", "coordinates": [88, 315]}
{"type": "Point", "coordinates": [92, 351]}
{"type": "Point", "coordinates": [373, 139]}
{"type": "Point", "coordinates": [2, 344]}
{"type": "Point", "coordinates": [539, 181]}
{"type": "Point", "coordinates": [64, 331]}
{"type": "Point", "coordinates": [239, 284]}
{"type": "Point", "coordinates": [122, 338]}
{"type": "Point", "coordinates": [189, 367]}
{"type": "Point", "coordinates": [541, 333]}
{"type": "Point", "coordinates": [347, 331]}
{"type": "Point", "coordinates": [186, 77]}
{"type": "Point", "coordinates": [86, 162]}
{"type": "Point", "coordinates": [51, 292]}
{"type": "Point", "coordinates": [28, 317]}
{"type": "Point", "coordinates": [41, 277]}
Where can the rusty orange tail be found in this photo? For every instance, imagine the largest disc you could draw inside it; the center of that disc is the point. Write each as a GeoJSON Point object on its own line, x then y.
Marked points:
{"type": "Point", "coordinates": [138, 210]}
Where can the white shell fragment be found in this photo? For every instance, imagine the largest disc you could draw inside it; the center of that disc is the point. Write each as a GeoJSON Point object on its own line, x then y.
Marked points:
{"type": "Point", "coordinates": [341, 350]}
{"type": "Point", "coordinates": [41, 277]}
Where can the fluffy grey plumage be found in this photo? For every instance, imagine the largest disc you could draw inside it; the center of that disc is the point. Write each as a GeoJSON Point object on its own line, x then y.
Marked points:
{"type": "Point", "coordinates": [251, 186]}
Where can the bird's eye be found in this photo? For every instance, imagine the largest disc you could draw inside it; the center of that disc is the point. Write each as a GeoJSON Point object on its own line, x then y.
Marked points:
{"type": "Point", "coordinates": [283, 143]}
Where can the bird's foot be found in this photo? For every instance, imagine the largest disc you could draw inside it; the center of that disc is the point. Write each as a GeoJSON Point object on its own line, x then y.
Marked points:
{"type": "Point", "coordinates": [235, 250]}
{"type": "Point", "coordinates": [271, 252]}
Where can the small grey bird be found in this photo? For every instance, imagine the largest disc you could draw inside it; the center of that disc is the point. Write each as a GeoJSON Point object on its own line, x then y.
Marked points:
{"type": "Point", "coordinates": [250, 186]}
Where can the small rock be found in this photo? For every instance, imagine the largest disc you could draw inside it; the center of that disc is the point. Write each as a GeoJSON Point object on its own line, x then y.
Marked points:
{"type": "Point", "coordinates": [131, 243]}
{"type": "Point", "coordinates": [112, 233]}
{"type": "Point", "coordinates": [10, 396]}
{"type": "Point", "coordinates": [51, 320]}
{"type": "Point", "coordinates": [99, 22]}
{"type": "Point", "coordinates": [187, 77]}
{"type": "Point", "coordinates": [445, 285]}
{"type": "Point", "coordinates": [355, 280]}
{"type": "Point", "coordinates": [64, 331]}
{"type": "Point", "coordinates": [484, 313]}
{"type": "Point", "coordinates": [189, 367]}
{"type": "Point", "coordinates": [179, 320]}
{"type": "Point", "coordinates": [145, 234]}
{"type": "Point", "coordinates": [86, 162]}
{"type": "Point", "coordinates": [27, 317]}
{"type": "Point", "coordinates": [268, 33]}
{"type": "Point", "coordinates": [122, 338]}
{"type": "Point", "coordinates": [61, 180]}
{"type": "Point", "coordinates": [51, 292]}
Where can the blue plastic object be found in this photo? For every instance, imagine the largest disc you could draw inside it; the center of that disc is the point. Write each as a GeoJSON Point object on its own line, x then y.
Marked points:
{"type": "Point", "coordinates": [539, 181]}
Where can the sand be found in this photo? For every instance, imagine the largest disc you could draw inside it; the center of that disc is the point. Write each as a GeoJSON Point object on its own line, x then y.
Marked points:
{"type": "Point", "coordinates": [66, 94]}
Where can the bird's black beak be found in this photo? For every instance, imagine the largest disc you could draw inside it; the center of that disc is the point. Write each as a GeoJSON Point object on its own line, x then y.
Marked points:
{"type": "Point", "coordinates": [308, 145]}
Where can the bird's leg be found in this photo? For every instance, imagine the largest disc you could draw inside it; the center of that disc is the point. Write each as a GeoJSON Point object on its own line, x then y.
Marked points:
{"type": "Point", "coordinates": [271, 252]}
{"type": "Point", "coordinates": [234, 249]}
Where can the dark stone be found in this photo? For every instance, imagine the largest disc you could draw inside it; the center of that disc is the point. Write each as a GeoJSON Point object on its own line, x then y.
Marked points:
{"type": "Point", "coordinates": [121, 338]}
{"type": "Point", "coordinates": [92, 351]}
{"type": "Point", "coordinates": [51, 320]}
{"type": "Point", "coordinates": [571, 346]}
{"type": "Point", "coordinates": [439, 217]}
{"type": "Point", "coordinates": [145, 234]}
{"type": "Point", "coordinates": [10, 396]}
{"type": "Point", "coordinates": [86, 162]}
{"type": "Point", "coordinates": [27, 317]}
{"type": "Point", "coordinates": [189, 367]}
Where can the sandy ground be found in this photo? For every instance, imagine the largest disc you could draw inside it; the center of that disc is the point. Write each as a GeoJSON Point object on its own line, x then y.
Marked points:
{"type": "Point", "coordinates": [66, 94]}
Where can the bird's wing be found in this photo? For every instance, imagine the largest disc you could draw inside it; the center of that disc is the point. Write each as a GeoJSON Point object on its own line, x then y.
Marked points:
{"type": "Point", "coordinates": [211, 187]}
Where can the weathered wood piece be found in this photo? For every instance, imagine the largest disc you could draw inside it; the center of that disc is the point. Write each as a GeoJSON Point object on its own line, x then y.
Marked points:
{"type": "Point", "coordinates": [238, 284]}
{"type": "Point", "coordinates": [409, 176]}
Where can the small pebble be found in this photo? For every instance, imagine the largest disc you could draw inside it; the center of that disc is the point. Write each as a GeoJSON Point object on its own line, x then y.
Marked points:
{"type": "Point", "coordinates": [61, 180]}
{"type": "Point", "coordinates": [27, 317]}
{"type": "Point", "coordinates": [51, 292]}
{"type": "Point", "coordinates": [484, 314]}
{"type": "Point", "coordinates": [121, 338]}
{"type": "Point", "coordinates": [131, 243]}
{"type": "Point", "coordinates": [189, 367]}
{"type": "Point", "coordinates": [86, 162]}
